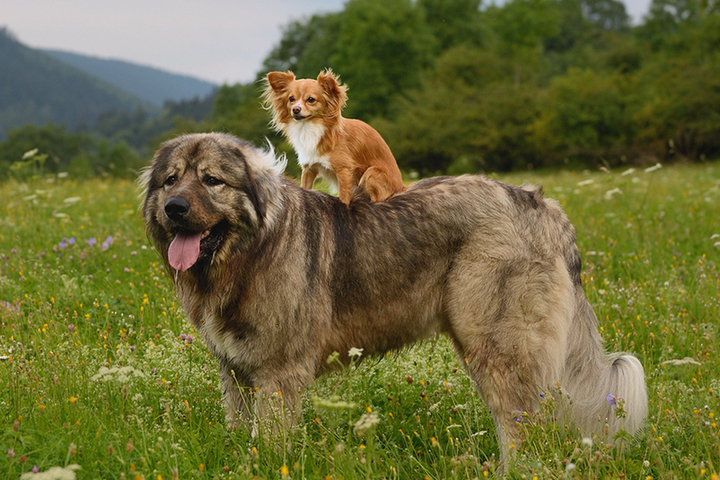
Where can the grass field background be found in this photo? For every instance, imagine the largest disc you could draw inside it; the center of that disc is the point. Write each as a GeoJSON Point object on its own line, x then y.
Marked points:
{"type": "Point", "coordinates": [101, 376]}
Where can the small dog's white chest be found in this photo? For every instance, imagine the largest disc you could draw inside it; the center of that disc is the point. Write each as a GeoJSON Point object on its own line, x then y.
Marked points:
{"type": "Point", "coordinates": [305, 137]}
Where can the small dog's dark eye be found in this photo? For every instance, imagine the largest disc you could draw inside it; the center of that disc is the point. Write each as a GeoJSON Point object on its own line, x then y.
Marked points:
{"type": "Point", "coordinates": [310, 100]}
{"type": "Point", "coordinates": [171, 180]}
{"type": "Point", "coordinates": [213, 181]}
{"type": "Point", "coordinates": [292, 99]}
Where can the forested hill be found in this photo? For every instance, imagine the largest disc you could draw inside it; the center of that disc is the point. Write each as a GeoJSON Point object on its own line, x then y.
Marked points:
{"type": "Point", "coordinates": [151, 84]}
{"type": "Point", "coordinates": [37, 88]}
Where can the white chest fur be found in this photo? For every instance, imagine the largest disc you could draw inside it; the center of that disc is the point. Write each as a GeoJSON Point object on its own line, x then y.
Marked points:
{"type": "Point", "coordinates": [305, 137]}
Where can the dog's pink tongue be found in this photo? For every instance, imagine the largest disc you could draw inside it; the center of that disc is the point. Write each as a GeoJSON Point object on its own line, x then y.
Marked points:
{"type": "Point", "coordinates": [184, 251]}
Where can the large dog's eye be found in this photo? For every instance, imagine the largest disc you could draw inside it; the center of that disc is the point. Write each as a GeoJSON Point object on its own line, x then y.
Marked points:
{"type": "Point", "coordinates": [212, 181]}
{"type": "Point", "coordinates": [171, 180]}
{"type": "Point", "coordinates": [310, 100]}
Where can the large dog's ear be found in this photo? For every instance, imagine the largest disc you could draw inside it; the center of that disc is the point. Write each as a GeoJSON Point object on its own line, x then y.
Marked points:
{"type": "Point", "coordinates": [335, 91]}
{"type": "Point", "coordinates": [279, 81]}
{"type": "Point", "coordinates": [252, 190]}
{"type": "Point", "coordinates": [251, 186]}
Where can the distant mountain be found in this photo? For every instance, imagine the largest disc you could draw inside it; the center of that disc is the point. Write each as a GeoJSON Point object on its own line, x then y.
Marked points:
{"type": "Point", "coordinates": [37, 88]}
{"type": "Point", "coordinates": [151, 84]}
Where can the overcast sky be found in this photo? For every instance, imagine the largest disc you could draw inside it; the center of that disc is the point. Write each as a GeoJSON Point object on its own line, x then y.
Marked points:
{"type": "Point", "coordinates": [224, 41]}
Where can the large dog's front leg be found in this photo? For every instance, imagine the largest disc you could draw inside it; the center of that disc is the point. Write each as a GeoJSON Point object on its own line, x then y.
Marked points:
{"type": "Point", "coordinates": [277, 406]}
{"type": "Point", "coordinates": [238, 397]}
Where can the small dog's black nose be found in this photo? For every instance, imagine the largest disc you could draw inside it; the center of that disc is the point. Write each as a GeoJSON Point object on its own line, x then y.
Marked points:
{"type": "Point", "coordinates": [176, 208]}
{"type": "Point", "coordinates": [296, 110]}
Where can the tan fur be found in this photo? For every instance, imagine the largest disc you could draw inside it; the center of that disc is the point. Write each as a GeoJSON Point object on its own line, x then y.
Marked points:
{"type": "Point", "coordinates": [287, 276]}
{"type": "Point", "coordinates": [346, 152]}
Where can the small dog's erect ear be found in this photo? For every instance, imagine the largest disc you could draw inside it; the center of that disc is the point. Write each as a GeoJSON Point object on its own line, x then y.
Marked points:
{"type": "Point", "coordinates": [279, 81]}
{"type": "Point", "coordinates": [331, 84]}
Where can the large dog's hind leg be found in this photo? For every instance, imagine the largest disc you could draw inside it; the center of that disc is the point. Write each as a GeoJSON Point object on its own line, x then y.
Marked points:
{"type": "Point", "coordinates": [507, 388]}
{"type": "Point", "coordinates": [509, 322]}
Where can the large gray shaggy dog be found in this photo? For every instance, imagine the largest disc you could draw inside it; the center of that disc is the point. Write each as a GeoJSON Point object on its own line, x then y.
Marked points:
{"type": "Point", "coordinates": [277, 278]}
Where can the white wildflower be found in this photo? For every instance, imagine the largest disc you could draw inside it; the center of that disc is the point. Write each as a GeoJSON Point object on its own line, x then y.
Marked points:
{"type": "Point", "coordinates": [627, 172]}
{"type": "Point", "coordinates": [121, 374]}
{"type": "Point", "coordinates": [71, 200]}
{"type": "Point", "coordinates": [366, 422]}
{"type": "Point", "coordinates": [657, 166]}
{"type": "Point", "coordinates": [30, 153]}
{"type": "Point", "coordinates": [54, 473]}
{"type": "Point", "coordinates": [355, 352]}
{"type": "Point", "coordinates": [333, 402]}
{"type": "Point", "coordinates": [684, 361]}
{"type": "Point", "coordinates": [587, 441]}
{"type": "Point", "coordinates": [610, 193]}
{"type": "Point", "coordinates": [585, 182]}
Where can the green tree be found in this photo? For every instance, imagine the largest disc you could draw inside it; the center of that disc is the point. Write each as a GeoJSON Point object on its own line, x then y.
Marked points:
{"type": "Point", "coordinates": [238, 111]}
{"type": "Point", "coordinates": [521, 27]}
{"type": "Point", "coordinates": [382, 50]}
{"type": "Point", "coordinates": [585, 116]}
{"type": "Point", "coordinates": [472, 117]}
{"type": "Point", "coordinates": [306, 47]}
{"type": "Point", "coordinates": [666, 23]}
{"type": "Point", "coordinates": [606, 14]}
{"type": "Point", "coordinates": [454, 22]}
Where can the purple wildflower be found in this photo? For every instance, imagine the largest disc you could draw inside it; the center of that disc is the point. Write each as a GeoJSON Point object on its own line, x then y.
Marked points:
{"type": "Point", "coordinates": [189, 339]}
{"type": "Point", "coordinates": [71, 327]}
{"type": "Point", "coordinates": [92, 241]}
{"type": "Point", "coordinates": [611, 399]}
{"type": "Point", "coordinates": [183, 337]}
{"type": "Point", "coordinates": [63, 243]}
{"type": "Point", "coordinates": [71, 240]}
{"type": "Point", "coordinates": [35, 469]}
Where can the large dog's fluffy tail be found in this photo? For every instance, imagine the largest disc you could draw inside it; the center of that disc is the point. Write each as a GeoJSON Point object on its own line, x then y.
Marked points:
{"type": "Point", "coordinates": [607, 392]}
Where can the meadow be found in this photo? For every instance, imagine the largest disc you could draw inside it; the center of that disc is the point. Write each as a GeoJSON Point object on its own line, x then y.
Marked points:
{"type": "Point", "coordinates": [102, 377]}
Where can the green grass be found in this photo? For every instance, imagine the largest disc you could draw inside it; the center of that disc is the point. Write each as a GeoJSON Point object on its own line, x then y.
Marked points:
{"type": "Point", "coordinates": [74, 317]}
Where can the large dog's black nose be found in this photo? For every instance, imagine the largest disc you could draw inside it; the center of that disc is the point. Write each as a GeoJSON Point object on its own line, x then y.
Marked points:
{"type": "Point", "coordinates": [176, 208]}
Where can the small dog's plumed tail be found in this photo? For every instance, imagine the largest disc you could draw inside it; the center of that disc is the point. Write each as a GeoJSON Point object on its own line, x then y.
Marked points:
{"type": "Point", "coordinates": [607, 392]}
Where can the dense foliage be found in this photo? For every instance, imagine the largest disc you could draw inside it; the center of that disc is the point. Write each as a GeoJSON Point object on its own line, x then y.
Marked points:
{"type": "Point", "coordinates": [455, 87]}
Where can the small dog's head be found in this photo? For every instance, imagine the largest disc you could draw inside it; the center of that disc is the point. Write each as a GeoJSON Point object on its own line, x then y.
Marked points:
{"type": "Point", "coordinates": [304, 99]}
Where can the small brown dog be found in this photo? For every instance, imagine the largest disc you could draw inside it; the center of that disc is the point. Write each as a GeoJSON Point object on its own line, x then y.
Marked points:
{"type": "Point", "coordinates": [345, 152]}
